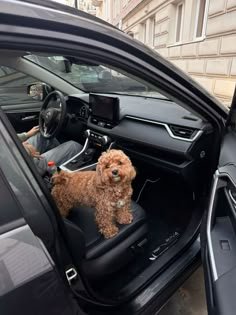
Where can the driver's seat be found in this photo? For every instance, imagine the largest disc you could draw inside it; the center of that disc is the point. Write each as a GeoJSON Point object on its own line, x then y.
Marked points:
{"type": "Point", "coordinates": [102, 256]}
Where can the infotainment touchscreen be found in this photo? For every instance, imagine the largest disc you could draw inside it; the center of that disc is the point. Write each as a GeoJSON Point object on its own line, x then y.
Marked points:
{"type": "Point", "coordinates": [104, 107]}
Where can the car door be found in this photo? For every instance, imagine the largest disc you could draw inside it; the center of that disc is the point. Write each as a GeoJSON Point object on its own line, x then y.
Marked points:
{"type": "Point", "coordinates": [32, 269]}
{"type": "Point", "coordinates": [21, 109]}
{"type": "Point", "coordinates": [219, 228]}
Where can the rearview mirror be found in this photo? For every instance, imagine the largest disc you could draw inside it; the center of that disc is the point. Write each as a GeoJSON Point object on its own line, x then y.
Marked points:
{"type": "Point", "coordinates": [38, 91]}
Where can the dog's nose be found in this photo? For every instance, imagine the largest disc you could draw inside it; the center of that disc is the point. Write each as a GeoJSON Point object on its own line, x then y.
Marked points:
{"type": "Point", "coordinates": [114, 172]}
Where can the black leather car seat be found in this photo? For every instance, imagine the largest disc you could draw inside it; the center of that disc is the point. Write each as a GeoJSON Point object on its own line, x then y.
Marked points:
{"type": "Point", "coordinates": [105, 256]}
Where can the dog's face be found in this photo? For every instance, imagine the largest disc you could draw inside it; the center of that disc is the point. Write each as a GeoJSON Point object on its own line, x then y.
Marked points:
{"type": "Point", "coordinates": [115, 167]}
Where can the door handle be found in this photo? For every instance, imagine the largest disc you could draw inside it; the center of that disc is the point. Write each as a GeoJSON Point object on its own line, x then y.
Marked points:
{"type": "Point", "coordinates": [32, 117]}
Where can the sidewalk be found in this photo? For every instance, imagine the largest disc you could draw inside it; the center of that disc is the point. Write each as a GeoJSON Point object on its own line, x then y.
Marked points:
{"type": "Point", "coordinates": [189, 299]}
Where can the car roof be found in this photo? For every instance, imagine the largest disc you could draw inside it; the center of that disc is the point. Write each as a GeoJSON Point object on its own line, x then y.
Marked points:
{"type": "Point", "coordinates": [68, 9]}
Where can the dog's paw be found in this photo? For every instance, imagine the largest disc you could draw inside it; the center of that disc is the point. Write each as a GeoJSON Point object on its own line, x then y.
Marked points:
{"type": "Point", "coordinates": [125, 218]}
{"type": "Point", "coordinates": [110, 231]}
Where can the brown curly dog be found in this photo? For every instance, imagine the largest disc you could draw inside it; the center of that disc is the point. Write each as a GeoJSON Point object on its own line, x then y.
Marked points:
{"type": "Point", "coordinates": [108, 190]}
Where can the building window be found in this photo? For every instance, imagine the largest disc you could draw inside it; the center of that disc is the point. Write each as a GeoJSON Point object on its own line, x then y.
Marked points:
{"type": "Point", "coordinates": [179, 22]}
{"type": "Point", "coordinates": [201, 18]}
{"type": "Point", "coordinates": [148, 31]}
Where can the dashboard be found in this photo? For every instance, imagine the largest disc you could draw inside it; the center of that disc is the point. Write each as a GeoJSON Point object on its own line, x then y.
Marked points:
{"type": "Point", "coordinates": [77, 109]}
{"type": "Point", "coordinates": [155, 130]}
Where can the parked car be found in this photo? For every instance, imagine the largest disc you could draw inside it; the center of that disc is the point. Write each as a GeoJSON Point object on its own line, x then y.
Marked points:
{"type": "Point", "coordinates": [180, 139]}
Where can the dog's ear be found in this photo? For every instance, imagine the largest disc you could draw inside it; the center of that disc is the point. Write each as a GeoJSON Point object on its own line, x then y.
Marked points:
{"type": "Point", "coordinates": [60, 178]}
{"type": "Point", "coordinates": [132, 173]}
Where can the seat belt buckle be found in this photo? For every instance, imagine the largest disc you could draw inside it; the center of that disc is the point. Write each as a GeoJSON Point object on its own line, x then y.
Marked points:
{"type": "Point", "coordinates": [71, 274]}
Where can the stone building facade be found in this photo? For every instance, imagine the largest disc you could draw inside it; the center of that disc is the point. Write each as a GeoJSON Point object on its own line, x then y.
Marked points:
{"type": "Point", "coordinates": [84, 5]}
{"type": "Point", "coordinates": [87, 6]}
{"type": "Point", "coordinates": [199, 36]}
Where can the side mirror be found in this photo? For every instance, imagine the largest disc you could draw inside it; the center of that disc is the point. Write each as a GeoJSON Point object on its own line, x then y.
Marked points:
{"type": "Point", "coordinates": [38, 91]}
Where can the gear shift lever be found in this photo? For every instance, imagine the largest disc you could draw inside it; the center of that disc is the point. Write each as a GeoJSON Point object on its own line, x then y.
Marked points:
{"type": "Point", "coordinates": [89, 153]}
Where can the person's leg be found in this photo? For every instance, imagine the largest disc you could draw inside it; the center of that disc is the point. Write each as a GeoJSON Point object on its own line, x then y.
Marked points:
{"type": "Point", "coordinates": [63, 152]}
{"type": "Point", "coordinates": [41, 144]}
{"type": "Point", "coordinates": [41, 165]}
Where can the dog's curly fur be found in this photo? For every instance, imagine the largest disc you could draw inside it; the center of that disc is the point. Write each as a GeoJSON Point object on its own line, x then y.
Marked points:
{"type": "Point", "coordinates": [108, 190]}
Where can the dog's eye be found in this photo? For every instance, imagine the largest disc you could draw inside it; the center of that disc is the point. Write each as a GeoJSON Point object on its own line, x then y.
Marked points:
{"type": "Point", "coordinates": [119, 163]}
{"type": "Point", "coordinates": [107, 166]}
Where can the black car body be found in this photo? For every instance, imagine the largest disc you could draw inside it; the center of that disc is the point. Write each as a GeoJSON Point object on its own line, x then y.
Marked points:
{"type": "Point", "coordinates": [177, 135]}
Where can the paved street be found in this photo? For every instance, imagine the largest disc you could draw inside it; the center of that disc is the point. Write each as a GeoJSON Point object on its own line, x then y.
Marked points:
{"type": "Point", "coordinates": [189, 299]}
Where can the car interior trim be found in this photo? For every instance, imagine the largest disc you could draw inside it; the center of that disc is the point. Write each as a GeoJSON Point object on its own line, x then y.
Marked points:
{"type": "Point", "coordinates": [209, 225]}
{"type": "Point", "coordinates": [210, 217]}
{"type": "Point", "coordinates": [197, 135]}
{"type": "Point", "coordinates": [90, 166]}
{"type": "Point", "coordinates": [231, 197]}
{"type": "Point", "coordinates": [63, 167]}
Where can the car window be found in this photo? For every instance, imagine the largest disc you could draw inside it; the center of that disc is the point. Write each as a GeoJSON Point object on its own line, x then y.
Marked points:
{"type": "Point", "coordinates": [13, 87]}
{"type": "Point", "coordinates": [94, 77]}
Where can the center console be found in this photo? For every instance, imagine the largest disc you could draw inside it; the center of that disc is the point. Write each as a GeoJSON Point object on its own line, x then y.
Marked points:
{"type": "Point", "coordinates": [95, 144]}
{"type": "Point", "coordinates": [105, 112]}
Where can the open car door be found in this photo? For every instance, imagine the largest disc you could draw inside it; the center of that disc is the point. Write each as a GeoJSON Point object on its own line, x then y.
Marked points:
{"type": "Point", "coordinates": [218, 235]}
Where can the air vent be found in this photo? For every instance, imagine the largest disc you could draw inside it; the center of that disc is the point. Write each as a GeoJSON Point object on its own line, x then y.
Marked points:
{"type": "Point", "coordinates": [182, 132]}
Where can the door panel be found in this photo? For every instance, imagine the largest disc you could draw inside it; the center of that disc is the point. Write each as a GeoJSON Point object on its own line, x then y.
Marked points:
{"type": "Point", "coordinates": [23, 116]}
{"type": "Point", "coordinates": [219, 250]}
{"type": "Point", "coordinates": [23, 121]}
{"type": "Point", "coordinates": [22, 107]}
{"type": "Point", "coordinates": [225, 293]}
{"type": "Point", "coordinates": [29, 281]}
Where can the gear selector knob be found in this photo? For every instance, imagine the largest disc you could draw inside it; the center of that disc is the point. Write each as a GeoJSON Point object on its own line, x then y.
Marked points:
{"type": "Point", "coordinates": [87, 133]}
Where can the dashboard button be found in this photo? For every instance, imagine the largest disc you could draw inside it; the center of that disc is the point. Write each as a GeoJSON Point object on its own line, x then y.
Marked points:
{"type": "Point", "coordinates": [101, 124]}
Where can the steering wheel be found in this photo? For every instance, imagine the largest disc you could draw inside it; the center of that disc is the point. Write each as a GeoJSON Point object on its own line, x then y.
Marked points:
{"type": "Point", "coordinates": [51, 118]}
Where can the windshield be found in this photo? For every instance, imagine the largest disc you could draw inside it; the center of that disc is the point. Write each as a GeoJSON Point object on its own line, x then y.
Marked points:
{"type": "Point", "coordinates": [92, 77]}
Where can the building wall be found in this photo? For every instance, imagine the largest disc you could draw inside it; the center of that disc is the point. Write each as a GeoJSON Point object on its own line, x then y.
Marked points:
{"type": "Point", "coordinates": [84, 5]}
{"type": "Point", "coordinates": [66, 2]}
{"type": "Point", "coordinates": [210, 58]}
{"type": "Point", "coordinates": [87, 6]}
